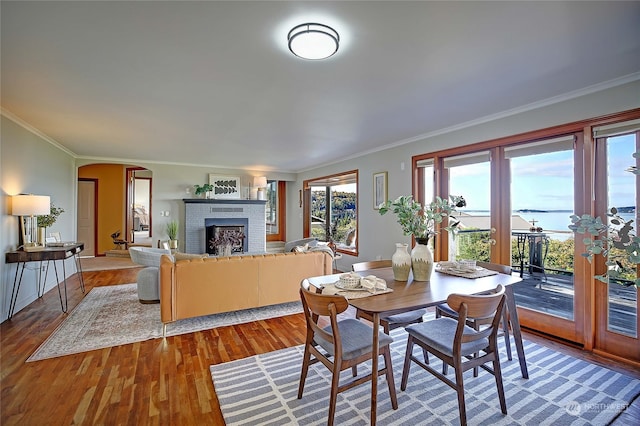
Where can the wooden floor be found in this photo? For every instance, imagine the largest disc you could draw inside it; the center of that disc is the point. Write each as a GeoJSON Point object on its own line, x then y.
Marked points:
{"type": "Point", "coordinates": [152, 382]}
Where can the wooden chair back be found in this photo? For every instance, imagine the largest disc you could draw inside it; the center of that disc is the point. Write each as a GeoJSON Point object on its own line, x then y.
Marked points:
{"type": "Point", "coordinates": [485, 308]}
{"type": "Point", "coordinates": [316, 305]}
{"type": "Point", "coordinates": [468, 307]}
{"type": "Point", "coordinates": [477, 305]}
{"type": "Point", "coordinates": [374, 264]}
{"type": "Point", "coordinates": [323, 304]}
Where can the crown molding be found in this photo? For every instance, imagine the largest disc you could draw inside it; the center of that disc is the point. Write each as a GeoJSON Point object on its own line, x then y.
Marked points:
{"type": "Point", "coordinates": [28, 127]}
{"type": "Point", "coordinates": [482, 120]}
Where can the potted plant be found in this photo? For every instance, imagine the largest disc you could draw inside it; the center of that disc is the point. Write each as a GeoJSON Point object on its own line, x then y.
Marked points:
{"type": "Point", "coordinates": [616, 241]}
{"type": "Point", "coordinates": [420, 222]}
{"type": "Point", "coordinates": [172, 232]}
{"type": "Point", "coordinates": [47, 221]}
{"type": "Point", "coordinates": [203, 189]}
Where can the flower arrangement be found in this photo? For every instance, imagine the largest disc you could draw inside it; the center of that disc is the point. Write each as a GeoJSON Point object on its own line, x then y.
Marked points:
{"type": "Point", "coordinates": [47, 220]}
{"type": "Point", "coordinates": [616, 241]}
{"type": "Point", "coordinates": [421, 221]}
{"type": "Point", "coordinates": [227, 238]}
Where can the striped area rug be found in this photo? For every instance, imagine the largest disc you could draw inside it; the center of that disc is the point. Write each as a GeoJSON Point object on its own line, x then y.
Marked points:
{"type": "Point", "coordinates": [561, 390]}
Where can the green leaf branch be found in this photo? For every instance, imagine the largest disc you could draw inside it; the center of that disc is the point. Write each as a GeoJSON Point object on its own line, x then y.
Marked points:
{"type": "Point", "coordinates": [419, 221]}
{"type": "Point", "coordinates": [201, 189]}
{"type": "Point", "coordinates": [47, 220]}
{"type": "Point", "coordinates": [615, 240]}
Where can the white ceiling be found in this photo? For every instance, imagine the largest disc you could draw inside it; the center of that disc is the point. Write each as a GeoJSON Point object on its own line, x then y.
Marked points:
{"type": "Point", "coordinates": [213, 83]}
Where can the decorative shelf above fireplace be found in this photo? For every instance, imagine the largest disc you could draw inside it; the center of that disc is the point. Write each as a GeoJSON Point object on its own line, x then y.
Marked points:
{"type": "Point", "coordinates": [215, 201]}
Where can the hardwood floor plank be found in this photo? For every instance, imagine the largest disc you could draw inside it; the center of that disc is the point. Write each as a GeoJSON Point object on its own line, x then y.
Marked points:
{"type": "Point", "coordinates": [155, 382]}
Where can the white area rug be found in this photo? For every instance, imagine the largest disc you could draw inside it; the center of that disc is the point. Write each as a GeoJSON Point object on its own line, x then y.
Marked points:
{"type": "Point", "coordinates": [112, 315]}
{"type": "Point", "coordinates": [561, 390]}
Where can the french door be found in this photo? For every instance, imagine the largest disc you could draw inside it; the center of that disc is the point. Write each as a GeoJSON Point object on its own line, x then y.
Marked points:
{"type": "Point", "coordinates": [542, 196]}
{"type": "Point", "coordinates": [616, 310]}
{"type": "Point", "coordinates": [521, 192]}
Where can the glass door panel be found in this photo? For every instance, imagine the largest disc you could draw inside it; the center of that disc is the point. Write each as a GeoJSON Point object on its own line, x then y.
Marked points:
{"type": "Point", "coordinates": [470, 177]}
{"type": "Point", "coordinates": [542, 194]}
{"type": "Point", "coordinates": [428, 185]}
{"type": "Point", "coordinates": [622, 300]}
{"type": "Point", "coordinates": [273, 225]}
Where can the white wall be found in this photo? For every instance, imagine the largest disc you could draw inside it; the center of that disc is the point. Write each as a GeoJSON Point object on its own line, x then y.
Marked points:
{"type": "Point", "coordinates": [377, 234]}
{"type": "Point", "coordinates": [30, 164]}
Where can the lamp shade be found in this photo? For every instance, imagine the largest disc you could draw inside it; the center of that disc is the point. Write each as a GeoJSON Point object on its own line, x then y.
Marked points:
{"type": "Point", "coordinates": [30, 205]}
{"type": "Point", "coordinates": [313, 41]}
{"type": "Point", "coordinates": [259, 181]}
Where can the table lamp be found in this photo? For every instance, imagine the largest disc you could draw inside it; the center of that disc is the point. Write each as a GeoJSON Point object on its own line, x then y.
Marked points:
{"type": "Point", "coordinates": [28, 206]}
{"type": "Point", "coordinates": [260, 182]}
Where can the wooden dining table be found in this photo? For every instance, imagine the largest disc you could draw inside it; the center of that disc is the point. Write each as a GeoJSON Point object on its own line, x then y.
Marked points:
{"type": "Point", "coordinates": [410, 295]}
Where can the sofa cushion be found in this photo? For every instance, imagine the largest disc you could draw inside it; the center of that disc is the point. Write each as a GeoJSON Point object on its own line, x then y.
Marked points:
{"type": "Point", "coordinates": [282, 273]}
{"type": "Point", "coordinates": [213, 285]}
{"type": "Point", "coordinates": [183, 256]}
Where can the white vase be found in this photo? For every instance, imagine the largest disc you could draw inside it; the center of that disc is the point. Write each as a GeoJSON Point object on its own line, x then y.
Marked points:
{"type": "Point", "coordinates": [401, 262]}
{"type": "Point", "coordinates": [42, 236]}
{"type": "Point", "coordinates": [422, 260]}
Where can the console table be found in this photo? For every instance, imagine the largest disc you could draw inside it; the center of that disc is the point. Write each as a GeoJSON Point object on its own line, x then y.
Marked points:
{"type": "Point", "coordinates": [22, 257]}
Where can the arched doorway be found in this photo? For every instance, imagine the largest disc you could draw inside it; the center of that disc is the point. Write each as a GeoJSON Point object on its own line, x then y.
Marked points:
{"type": "Point", "coordinates": [106, 202]}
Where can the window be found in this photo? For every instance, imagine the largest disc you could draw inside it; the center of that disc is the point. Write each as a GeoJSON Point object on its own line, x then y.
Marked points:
{"type": "Point", "coordinates": [333, 210]}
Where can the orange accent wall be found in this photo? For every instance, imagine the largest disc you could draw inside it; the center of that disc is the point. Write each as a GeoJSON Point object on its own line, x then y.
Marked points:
{"type": "Point", "coordinates": [111, 204]}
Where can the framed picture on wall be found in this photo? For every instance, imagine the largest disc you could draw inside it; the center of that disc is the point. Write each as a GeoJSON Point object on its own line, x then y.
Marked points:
{"type": "Point", "coordinates": [379, 189]}
{"type": "Point", "coordinates": [225, 187]}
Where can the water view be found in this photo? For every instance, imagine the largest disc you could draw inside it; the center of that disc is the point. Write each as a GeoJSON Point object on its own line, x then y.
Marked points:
{"type": "Point", "coordinates": [552, 221]}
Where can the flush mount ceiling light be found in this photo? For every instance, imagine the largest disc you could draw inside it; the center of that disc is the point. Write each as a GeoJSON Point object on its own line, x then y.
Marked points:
{"type": "Point", "coordinates": [313, 41]}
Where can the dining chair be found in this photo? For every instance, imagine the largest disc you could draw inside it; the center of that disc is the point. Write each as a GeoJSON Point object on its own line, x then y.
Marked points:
{"type": "Point", "coordinates": [445, 310]}
{"type": "Point", "coordinates": [459, 345]}
{"type": "Point", "coordinates": [390, 322]}
{"type": "Point", "coordinates": [347, 343]}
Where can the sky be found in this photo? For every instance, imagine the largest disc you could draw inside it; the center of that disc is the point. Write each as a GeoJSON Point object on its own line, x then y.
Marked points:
{"type": "Point", "coordinates": [545, 181]}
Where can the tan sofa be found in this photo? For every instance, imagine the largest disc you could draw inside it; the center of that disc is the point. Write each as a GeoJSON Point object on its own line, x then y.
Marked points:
{"type": "Point", "coordinates": [205, 286]}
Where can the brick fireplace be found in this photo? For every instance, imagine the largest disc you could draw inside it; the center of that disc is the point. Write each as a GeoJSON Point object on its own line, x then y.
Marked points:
{"type": "Point", "coordinates": [249, 214]}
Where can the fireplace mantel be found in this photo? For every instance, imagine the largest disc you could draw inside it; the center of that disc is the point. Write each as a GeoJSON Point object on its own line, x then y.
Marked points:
{"type": "Point", "coordinates": [197, 210]}
{"type": "Point", "coordinates": [219, 201]}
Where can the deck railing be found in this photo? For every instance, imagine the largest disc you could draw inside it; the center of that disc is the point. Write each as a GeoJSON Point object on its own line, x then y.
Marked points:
{"type": "Point", "coordinates": [547, 284]}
